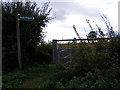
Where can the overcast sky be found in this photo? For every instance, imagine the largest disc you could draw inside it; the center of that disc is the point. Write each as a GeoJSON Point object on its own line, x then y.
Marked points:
{"type": "Point", "coordinates": [75, 12]}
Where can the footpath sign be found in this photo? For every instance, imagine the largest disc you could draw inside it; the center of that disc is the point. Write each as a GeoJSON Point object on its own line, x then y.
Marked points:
{"type": "Point", "coordinates": [26, 18]}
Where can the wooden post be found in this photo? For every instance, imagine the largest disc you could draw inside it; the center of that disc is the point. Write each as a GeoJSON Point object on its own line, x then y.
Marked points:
{"type": "Point", "coordinates": [88, 41]}
{"type": "Point", "coordinates": [18, 41]}
{"type": "Point", "coordinates": [54, 46]}
{"type": "Point", "coordinates": [1, 45]}
{"type": "Point", "coordinates": [70, 50]}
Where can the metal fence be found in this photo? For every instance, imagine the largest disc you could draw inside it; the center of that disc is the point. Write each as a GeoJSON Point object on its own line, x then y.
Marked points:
{"type": "Point", "coordinates": [62, 49]}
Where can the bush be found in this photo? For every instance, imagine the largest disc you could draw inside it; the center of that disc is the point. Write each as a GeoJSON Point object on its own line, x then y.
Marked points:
{"type": "Point", "coordinates": [93, 66]}
{"type": "Point", "coordinates": [13, 79]}
{"type": "Point", "coordinates": [114, 48]}
{"type": "Point", "coordinates": [43, 53]}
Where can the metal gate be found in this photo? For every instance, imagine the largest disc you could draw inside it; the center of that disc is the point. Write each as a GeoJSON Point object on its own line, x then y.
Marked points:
{"type": "Point", "coordinates": [62, 49]}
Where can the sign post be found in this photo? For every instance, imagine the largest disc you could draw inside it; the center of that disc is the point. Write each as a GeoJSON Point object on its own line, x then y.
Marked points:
{"type": "Point", "coordinates": [18, 42]}
{"type": "Point", "coordinates": [22, 18]}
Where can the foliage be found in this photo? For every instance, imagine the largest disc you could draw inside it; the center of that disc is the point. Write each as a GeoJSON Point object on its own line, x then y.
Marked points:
{"type": "Point", "coordinates": [92, 35]}
{"type": "Point", "coordinates": [43, 53]}
{"type": "Point", "coordinates": [93, 68]}
{"type": "Point", "coordinates": [115, 48]}
{"type": "Point", "coordinates": [15, 79]}
{"type": "Point", "coordinates": [31, 32]}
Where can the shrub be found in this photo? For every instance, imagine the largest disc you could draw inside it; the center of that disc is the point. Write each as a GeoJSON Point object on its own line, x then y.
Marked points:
{"type": "Point", "coordinates": [114, 48]}
{"type": "Point", "coordinates": [73, 83]}
{"type": "Point", "coordinates": [43, 53]}
{"type": "Point", "coordinates": [13, 79]}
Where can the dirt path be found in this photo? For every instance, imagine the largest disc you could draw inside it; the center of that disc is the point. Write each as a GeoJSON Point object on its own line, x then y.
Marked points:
{"type": "Point", "coordinates": [33, 82]}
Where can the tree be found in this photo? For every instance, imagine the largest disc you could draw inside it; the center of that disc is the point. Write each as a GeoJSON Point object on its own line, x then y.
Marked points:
{"type": "Point", "coordinates": [110, 33]}
{"type": "Point", "coordinates": [101, 34]}
{"type": "Point", "coordinates": [31, 33]}
{"type": "Point", "coordinates": [92, 35]}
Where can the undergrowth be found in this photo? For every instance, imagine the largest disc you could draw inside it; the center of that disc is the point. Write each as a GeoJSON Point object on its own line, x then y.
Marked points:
{"type": "Point", "coordinates": [96, 67]}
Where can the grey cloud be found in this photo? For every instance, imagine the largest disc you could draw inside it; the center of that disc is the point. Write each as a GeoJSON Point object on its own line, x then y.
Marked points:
{"type": "Point", "coordinates": [60, 15]}
{"type": "Point", "coordinates": [109, 2]}
{"type": "Point", "coordinates": [82, 9]}
{"type": "Point", "coordinates": [62, 9]}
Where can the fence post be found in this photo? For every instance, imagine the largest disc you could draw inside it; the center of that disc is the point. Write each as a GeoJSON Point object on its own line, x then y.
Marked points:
{"type": "Point", "coordinates": [88, 41]}
{"type": "Point", "coordinates": [69, 49]}
{"type": "Point", "coordinates": [54, 47]}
